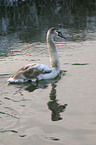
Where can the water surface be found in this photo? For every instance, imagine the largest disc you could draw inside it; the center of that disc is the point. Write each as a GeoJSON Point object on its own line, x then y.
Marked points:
{"type": "Point", "coordinates": [61, 111]}
{"type": "Point", "coordinates": [56, 112]}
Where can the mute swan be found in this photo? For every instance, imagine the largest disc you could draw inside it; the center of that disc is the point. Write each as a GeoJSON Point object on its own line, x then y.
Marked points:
{"type": "Point", "coordinates": [36, 72]}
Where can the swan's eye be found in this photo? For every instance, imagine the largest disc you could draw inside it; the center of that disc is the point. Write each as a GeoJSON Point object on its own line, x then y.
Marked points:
{"type": "Point", "coordinates": [61, 35]}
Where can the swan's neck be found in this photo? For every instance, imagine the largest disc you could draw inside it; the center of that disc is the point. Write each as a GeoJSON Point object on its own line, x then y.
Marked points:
{"type": "Point", "coordinates": [54, 60]}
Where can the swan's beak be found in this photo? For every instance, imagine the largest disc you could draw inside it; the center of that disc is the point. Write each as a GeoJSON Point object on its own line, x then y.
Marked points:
{"type": "Point", "coordinates": [61, 35]}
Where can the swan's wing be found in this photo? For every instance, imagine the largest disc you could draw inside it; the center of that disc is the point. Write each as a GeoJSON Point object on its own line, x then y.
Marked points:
{"type": "Point", "coordinates": [30, 72]}
{"type": "Point", "coordinates": [35, 71]}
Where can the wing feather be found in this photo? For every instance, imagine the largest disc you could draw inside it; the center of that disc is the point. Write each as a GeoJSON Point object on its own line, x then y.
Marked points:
{"type": "Point", "coordinates": [32, 71]}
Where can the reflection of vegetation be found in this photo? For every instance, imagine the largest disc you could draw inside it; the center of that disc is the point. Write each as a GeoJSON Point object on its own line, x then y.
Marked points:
{"type": "Point", "coordinates": [54, 106]}
{"type": "Point", "coordinates": [29, 18]}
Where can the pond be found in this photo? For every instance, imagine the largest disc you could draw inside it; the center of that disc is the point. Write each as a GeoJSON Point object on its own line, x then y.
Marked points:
{"type": "Point", "coordinates": [60, 111]}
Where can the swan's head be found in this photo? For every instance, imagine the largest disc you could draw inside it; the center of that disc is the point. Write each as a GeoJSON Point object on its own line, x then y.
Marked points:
{"type": "Point", "coordinates": [53, 32]}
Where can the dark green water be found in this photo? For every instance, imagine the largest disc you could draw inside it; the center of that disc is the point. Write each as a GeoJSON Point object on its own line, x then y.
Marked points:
{"type": "Point", "coordinates": [55, 112]}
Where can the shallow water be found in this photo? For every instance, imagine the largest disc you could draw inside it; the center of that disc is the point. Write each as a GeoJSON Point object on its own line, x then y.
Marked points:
{"type": "Point", "coordinates": [60, 111]}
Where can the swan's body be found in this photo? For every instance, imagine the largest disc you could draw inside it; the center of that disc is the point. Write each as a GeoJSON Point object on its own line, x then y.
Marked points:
{"type": "Point", "coordinates": [35, 72]}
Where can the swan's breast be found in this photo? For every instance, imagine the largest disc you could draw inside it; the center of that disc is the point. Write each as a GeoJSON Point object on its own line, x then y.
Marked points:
{"type": "Point", "coordinates": [51, 75]}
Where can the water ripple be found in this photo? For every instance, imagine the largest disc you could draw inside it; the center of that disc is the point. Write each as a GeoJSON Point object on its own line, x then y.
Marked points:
{"type": "Point", "coordinates": [13, 131]}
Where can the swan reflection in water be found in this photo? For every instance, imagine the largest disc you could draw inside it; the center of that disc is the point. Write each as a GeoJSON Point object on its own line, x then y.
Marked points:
{"type": "Point", "coordinates": [53, 104]}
